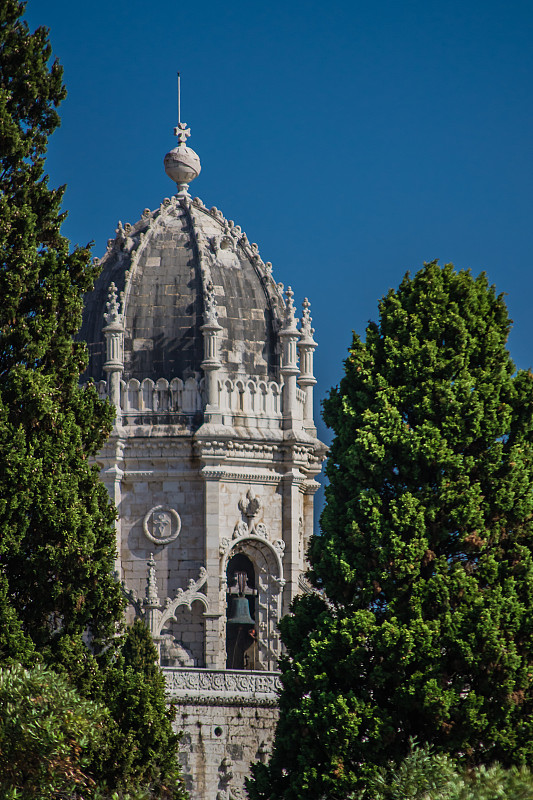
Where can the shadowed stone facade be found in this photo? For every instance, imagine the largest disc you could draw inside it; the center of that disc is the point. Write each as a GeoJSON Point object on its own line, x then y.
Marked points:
{"type": "Point", "coordinates": [211, 464]}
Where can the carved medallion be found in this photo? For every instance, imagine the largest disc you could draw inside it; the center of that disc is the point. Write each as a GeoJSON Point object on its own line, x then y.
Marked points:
{"type": "Point", "coordinates": [162, 525]}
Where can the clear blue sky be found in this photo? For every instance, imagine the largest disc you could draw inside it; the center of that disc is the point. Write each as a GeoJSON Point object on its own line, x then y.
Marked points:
{"type": "Point", "coordinates": [350, 140]}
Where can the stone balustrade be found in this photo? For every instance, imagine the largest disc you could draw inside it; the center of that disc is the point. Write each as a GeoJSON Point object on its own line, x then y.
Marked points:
{"type": "Point", "coordinates": [257, 401]}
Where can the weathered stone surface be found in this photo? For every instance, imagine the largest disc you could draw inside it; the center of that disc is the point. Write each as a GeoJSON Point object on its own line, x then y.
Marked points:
{"type": "Point", "coordinates": [211, 464]}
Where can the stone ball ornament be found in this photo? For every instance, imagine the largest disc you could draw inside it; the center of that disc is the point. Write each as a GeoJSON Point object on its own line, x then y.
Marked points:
{"type": "Point", "coordinates": [162, 525]}
{"type": "Point", "coordinates": [182, 164]}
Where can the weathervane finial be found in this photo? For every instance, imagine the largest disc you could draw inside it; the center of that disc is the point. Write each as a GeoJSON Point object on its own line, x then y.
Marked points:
{"type": "Point", "coordinates": [181, 131]}
{"type": "Point", "coordinates": [182, 164]}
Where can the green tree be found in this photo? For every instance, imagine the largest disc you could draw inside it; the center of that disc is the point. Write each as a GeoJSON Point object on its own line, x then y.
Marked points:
{"type": "Point", "coordinates": [48, 736]}
{"type": "Point", "coordinates": [57, 538]}
{"type": "Point", "coordinates": [423, 621]}
{"type": "Point", "coordinates": [46, 733]}
{"type": "Point", "coordinates": [141, 746]}
{"type": "Point", "coordinates": [59, 602]}
{"type": "Point", "coordinates": [424, 775]}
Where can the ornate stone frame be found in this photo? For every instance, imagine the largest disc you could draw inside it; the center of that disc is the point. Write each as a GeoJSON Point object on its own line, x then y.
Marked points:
{"type": "Point", "coordinates": [175, 516]}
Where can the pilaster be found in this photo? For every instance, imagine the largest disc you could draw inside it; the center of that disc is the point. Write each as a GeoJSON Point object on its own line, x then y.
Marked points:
{"type": "Point", "coordinates": [292, 481]}
{"type": "Point", "coordinates": [111, 473]}
{"type": "Point", "coordinates": [215, 655]}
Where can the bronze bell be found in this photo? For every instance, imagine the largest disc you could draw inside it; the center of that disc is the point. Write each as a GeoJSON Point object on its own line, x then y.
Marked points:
{"type": "Point", "coordinates": [239, 613]}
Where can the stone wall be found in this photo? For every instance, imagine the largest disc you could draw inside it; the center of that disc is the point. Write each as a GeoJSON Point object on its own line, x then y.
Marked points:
{"type": "Point", "coordinates": [228, 720]}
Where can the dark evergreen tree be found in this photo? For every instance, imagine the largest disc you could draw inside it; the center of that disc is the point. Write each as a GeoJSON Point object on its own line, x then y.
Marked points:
{"type": "Point", "coordinates": [57, 538]}
{"type": "Point", "coordinates": [141, 722]}
{"type": "Point", "coordinates": [423, 624]}
{"type": "Point", "coordinates": [59, 602]}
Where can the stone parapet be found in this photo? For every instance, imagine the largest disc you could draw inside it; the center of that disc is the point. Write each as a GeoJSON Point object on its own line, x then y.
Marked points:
{"type": "Point", "coordinates": [220, 686]}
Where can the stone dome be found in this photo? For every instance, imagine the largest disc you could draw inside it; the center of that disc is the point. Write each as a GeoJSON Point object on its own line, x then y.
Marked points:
{"type": "Point", "coordinates": [168, 268]}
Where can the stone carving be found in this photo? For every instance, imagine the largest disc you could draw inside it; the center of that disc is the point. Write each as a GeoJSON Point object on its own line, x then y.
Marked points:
{"type": "Point", "coordinates": [279, 545]}
{"type": "Point", "coordinates": [223, 242]}
{"type": "Point", "coordinates": [251, 505]}
{"type": "Point", "coordinates": [261, 530]}
{"type": "Point", "coordinates": [289, 308]}
{"type": "Point", "coordinates": [112, 314]}
{"type": "Point", "coordinates": [162, 525]}
{"type": "Point", "coordinates": [193, 587]}
{"type": "Point", "coordinates": [210, 304]}
{"type": "Point", "coordinates": [307, 330]}
{"type": "Point", "coordinates": [225, 773]}
{"type": "Point", "coordinates": [225, 544]}
{"type": "Point", "coordinates": [237, 683]}
{"type": "Point", "coordinates": [151, 582]}
{"type": "Point", "coordinates": [262, 752]}
{"type": "Point", "coordinates": [158, 614]}
{"type": "Point", "coordinates": [173, 653]}
{"type": "Point", "coordinates": [241, 529]}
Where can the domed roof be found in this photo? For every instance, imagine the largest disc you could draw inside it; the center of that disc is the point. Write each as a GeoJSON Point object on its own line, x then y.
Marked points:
{"type": "Point", "coordinates": [166, 265]}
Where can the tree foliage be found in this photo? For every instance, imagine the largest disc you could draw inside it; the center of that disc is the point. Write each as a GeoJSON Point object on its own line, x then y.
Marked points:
{"type": "Point", "coordinates": [46, 734]}
{"type": "Point", "coordinates": [48, 737]}
{"type": "Point", "coordinates": [424, 775]}
{"type": "Point", "coordinates": [425, 555]}
{"type": "Point", "coordinates": [59, 601]}
{"type": "Point", "coordinates": [141, 746]}
{"type": "Point", "coordinates": [57, 536]}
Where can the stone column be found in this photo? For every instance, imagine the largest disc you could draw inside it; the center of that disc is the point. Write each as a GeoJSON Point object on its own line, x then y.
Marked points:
{"type": "Point", "coordinates": [306, 348]}
{"type": "Point", "coordinates": [289, 335]}
{"type": "Point", "coordinates": [211, 363]}
{"type": "Point", "coordinates": [114, 337]}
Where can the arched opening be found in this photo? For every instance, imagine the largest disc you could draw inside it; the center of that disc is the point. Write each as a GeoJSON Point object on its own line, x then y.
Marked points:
{"type": "Point", "coordinates": [241, 632]}
{"type": "Point", "coordinates": [183, 637]}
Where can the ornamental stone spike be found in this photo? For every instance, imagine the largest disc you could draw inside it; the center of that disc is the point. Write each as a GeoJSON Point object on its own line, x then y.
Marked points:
{"type": "Point", "coordinates": [211, 363]}
{"type": "Point", "coordinates": [114, 336]}
{"type": "Point", "coordinates": [306, 380]}
{"type": "Point", "coordinates": [289, 335]}
{"type": "Point", "coordinates": [290, 319]}
{"type": "Point", "coordinates": [306, 330]}
{"type": "Point", "coordinates": [151, 583]}
{"type": "Point", "coordinates": [151, 601]}
{"type": "Point", "coordinates": [112, 314]}
{"type": "Point", "coordinates": [210, 305]}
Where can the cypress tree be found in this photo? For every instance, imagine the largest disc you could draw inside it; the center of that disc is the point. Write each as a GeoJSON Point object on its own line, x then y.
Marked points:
{"type": "Point", "coordinates": [59, 601]}
{"type": "Point", "coordinates": [141, 724]}
{"type": "Point", "coordinates": [57, 537]}
{"type": "Point", "coordinates": [422, 621]}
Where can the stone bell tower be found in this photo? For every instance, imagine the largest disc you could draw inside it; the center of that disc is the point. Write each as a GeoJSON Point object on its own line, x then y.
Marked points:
{"type": "Point", "coordinates": [211, 463]}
